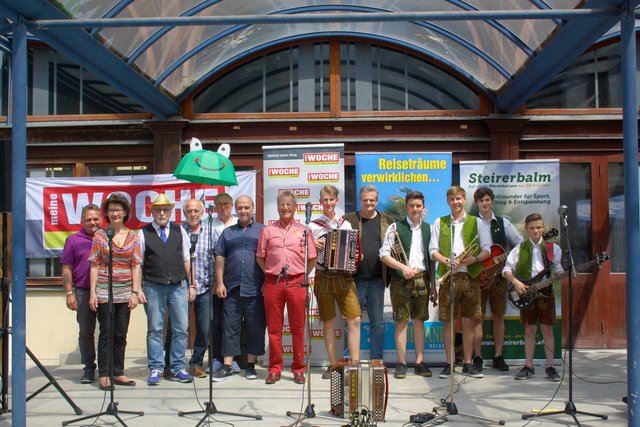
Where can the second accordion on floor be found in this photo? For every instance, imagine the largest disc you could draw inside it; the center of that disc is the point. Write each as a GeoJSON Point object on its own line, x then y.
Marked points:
{"type": "Point", "coordinates": [341, 251]}
{"type": "Point", "coordinates": [357, 386]}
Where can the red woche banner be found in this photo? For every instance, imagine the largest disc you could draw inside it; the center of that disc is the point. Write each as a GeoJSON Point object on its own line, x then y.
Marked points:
{"type": "Point", "coordinates": [63, 205]}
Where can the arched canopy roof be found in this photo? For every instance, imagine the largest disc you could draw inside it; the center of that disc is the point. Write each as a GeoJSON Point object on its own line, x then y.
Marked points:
{"type": "Point", "coordinates": [159, 51]}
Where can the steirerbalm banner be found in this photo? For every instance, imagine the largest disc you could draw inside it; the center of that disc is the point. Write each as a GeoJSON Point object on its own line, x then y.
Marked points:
{"type": "Point", "coordinates": [395, 175]}
{"type": "Point", "coordinates": [521, 187]}
{"type": "Point", "coordinates": [54, 205]}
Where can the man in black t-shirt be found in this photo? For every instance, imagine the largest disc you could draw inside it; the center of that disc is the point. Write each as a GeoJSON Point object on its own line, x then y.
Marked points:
{"type": "Point", "coordinates": [371, 276]}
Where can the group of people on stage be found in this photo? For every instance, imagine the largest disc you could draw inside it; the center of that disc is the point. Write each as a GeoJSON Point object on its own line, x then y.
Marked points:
{"type": "Point", "coordinates": [253, 271]}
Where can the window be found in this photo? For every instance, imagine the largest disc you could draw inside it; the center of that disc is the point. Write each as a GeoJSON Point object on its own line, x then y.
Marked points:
{"type": "Point", "coordinates": [617, 230]}
{"type": "Point", "coordinates": [591, 81]}
{"type": "Point", "coordinates": [57, 86]}
{"type": "Point", "coordinates": [372, 78]}
{"type": "Point", "coordinates": [375, 78]}
{"type": "Point", "coordinates": [575, 193]}
{"type": "Point", "coordinates": [295, 79]}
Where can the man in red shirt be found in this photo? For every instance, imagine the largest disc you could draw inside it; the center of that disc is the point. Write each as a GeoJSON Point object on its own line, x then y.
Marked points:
{"type": "Point", "coordinates": [280, 254]}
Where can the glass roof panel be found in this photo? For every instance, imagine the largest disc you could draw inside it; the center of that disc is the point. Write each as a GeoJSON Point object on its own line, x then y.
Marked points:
{"type": "Point", "coordinates": [491, 52]}
{"type": "Point", "coordinates": [532, 32]}
{"type": "Point", "coordinates": [125, 40]}
{"type": "Point", "coordinates": [254, 37]}
{"type": "Point", "coordinates": [86, 9]}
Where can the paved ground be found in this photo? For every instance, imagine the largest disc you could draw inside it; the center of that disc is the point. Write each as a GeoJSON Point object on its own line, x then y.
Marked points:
{"type": "Point", "coordinates": [599, 383]}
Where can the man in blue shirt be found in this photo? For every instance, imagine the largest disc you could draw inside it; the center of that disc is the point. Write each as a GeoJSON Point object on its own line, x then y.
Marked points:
{"type": "Point", "coordinates": [239, 282]}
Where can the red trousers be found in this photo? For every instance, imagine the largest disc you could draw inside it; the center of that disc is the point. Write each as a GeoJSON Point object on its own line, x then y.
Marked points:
{"type": "Point", "coordinates": [276, 295]}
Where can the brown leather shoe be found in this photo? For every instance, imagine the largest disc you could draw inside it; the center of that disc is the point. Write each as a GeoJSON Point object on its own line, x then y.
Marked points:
{"type": "Point", "coordinates": [298, 377]}
{"type": "Point", "coordinates": [272, 379]}
{"type": "Point", "coordinates": [198, 372]}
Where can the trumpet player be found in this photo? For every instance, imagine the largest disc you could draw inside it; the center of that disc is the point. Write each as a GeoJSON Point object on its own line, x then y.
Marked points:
{"type": "Point", "coordinates": [410, 280]}
{"type": "Point", "coordinates": [466, 230]}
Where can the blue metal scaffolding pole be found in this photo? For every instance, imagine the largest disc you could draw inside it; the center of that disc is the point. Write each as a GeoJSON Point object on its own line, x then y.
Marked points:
{"type": "Point", "coordinates": [631, 209]}
{"type": "Point", "coordinates": [18, 237]}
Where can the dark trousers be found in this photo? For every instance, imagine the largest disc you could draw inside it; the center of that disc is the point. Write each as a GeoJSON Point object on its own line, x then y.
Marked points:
{"type": "Point", "coordinates": [87, 327]}
{"type": "Point", "coordinates": [237, 308]}
{"type": "Point", "coordinates": [121, 316]}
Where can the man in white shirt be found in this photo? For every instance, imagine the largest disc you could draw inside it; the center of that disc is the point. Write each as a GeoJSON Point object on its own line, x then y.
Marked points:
{"type": "Point", "coordinates": [409, 282]}
{"type": "Point", "coordinates": [453, 234]}
{"type": "Point", "coordinates": [334, 287]}
{"type": "Point", "coordinates": [503, 233]}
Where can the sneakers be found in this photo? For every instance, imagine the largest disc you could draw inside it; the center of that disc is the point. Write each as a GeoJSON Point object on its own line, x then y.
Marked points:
{"type": "Point", "coordinates": [223, 374]}
{"type": "Point", "coordinates": [197, 371]}
{"type": "Point", "coordinates": [182, 376]}
{"type": "Point", "coordinates": [552, 374]}
{"type": "Point", "coordinates": [327, 373]}
{"type": "Point", "coordinates": [250, 372]}
{"type": "Point", "coordinates": [477, 363]}
{"type": "Point", "coordinates": [216, 366]}
{"type": "Point", "coordinates": [423, 370]}
{"type": "Point", "coordinates": [525, 372]}
{"type": "Point", "coordinates": [500, 364]}
{"type": "Point", "coordinates": [446, 372]}
{"type": "Point", "coordinates": [154, 377]}
{"type": "Point", "coordinates": [470, 370]}
{"type": "Point", "coordinates": [235, 368]}
{"type": "Point", "coordinates": [401, 371]}
{"type": "Point", "coordinates": [88, 376]}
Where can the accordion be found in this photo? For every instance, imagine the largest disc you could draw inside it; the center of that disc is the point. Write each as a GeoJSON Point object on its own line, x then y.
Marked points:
{"type": "Point", "coordinates": [341, 251]}
{"type": "Point", "coordinates": [359, 385]}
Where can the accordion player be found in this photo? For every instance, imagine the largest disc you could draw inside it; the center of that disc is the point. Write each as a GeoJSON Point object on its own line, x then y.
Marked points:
{"type": "Point", "coordinates": [341, 252]}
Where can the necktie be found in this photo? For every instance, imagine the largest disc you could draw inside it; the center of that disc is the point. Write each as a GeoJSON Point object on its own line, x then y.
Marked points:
{"type": "Point", "coordinates": [163, 234]}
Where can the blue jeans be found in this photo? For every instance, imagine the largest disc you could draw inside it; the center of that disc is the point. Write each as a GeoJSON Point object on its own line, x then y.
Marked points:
{"type": "Point", "coordinates": [161, 297]}
{"type": "Point", "coordinates": [201, 310]}
{"type": "Point", "coordinates": [371, 298]}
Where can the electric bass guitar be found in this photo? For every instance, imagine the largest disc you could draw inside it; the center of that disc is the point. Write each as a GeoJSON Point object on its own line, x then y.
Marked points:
{"type": "Point", "coordinates": [537, 284]}
{"type": "Point", "coordinates": [493, 265]}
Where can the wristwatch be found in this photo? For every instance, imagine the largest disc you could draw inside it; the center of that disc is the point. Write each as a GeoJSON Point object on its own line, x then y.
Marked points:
{"type": "Point", "coordinates": [135, 292]}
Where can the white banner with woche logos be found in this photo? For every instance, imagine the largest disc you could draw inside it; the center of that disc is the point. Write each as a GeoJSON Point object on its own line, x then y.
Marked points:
{"type": "Point", "coordinates": [305, 169]}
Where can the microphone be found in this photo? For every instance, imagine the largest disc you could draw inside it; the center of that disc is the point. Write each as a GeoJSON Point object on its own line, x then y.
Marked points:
{"type": "Point", "coordinates": [194, 241]}
{"type": "Point", "coordinates": [283, 273]}
{"type": "Point", "coordinates": [562, 211]}
{"type": "Point", "coordinates": [210, 208]}
{"type": "Point", "coordinates": [307, 212]}
{"type": "Point", "coordinates": [110, 232]}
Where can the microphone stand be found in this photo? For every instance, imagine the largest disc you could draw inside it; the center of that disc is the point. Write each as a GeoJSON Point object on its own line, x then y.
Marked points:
{"type": "Point", "coordinates": [309, 411]}
{"type": "Point", "coordinates": [570, 407]}
{"type": "Point", "coordinates": [210, 408]}
{"type": "Point", "coordinates": [450, 405]}
{"type": "Point", "coordinates": [112, 407]}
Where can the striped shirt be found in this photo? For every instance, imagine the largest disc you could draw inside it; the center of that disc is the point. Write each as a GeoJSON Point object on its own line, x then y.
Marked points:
{"type": "Point", "coordinates": [124, 257]}
{"type": "Point", "coordinates": [201, 258]}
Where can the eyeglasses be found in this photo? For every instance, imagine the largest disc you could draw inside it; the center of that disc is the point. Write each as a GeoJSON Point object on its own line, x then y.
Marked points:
{"type": "Point", "coordinates": [163, 210]}
{"type": "Point", "coordinates": [115, 211]}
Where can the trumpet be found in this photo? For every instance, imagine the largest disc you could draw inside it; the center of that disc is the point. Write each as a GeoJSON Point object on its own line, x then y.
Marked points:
{"type": "Point", "coordinates": [397, 251]}
{"type": "Point", "coordinates": [471, 247]}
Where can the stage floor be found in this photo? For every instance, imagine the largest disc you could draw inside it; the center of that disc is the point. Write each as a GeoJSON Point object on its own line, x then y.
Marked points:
{"type": "Point", "coordinates": [599, 383]}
